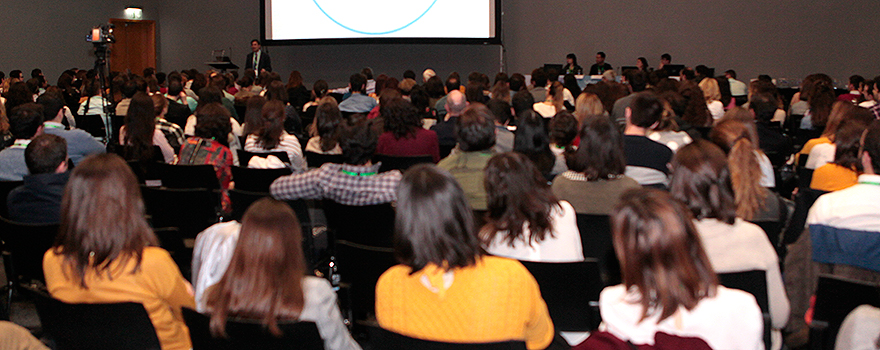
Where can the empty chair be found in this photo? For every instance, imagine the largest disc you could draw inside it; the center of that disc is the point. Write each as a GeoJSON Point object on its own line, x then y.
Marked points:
{"type": "Point", "coordinates": [190, 210]}
{"type": "Point", "coordinates": [96, 326]}
{"type": "Point", "coordinates": [836, 297]}
{"type": "Point", "coordinates": [247, 334]}
{"type": "Point", "coordinates": [802, 203]}
{"type": "Point", "coordinates": [363, 252]}
{"type": "Point", "coordinates": [382, 339]}
{"type": "Point", "coordinates": [23, 246]}
{"type": "Point", "coordinates": [754, 282]}
{"type": "Point", "coordinates": [256, 180]}
{"type": "Point", "coordinates": [92, 124]}
{"type": "Point", "coordinates": [189, 176]}
{"type": "Point", "coordinates": [5, 188]}
{"type": "Point", "coordinates": [400, 162]}
{"type": "Point", "coordinates": [595, 233]}
{"type": "Point", "coordinates": [316, 160]}
{"type": "Point", "coordinates": [571, 291]}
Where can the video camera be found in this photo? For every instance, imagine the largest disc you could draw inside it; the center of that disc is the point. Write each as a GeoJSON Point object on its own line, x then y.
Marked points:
{"type": "Point", "coordinates": [101, 34]}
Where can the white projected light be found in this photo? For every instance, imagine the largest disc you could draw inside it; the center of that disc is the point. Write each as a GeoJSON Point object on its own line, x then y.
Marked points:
{"type": "Point", "coordinates": [134, 13]}
{"type": "Point", "coordinates": [349, 19]}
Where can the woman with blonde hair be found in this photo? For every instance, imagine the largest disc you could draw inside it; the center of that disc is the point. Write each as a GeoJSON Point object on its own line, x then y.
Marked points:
{"type": "Point", "coordinates": [588, 104]}
{"type": "Point", "coordinates": [712, 93]}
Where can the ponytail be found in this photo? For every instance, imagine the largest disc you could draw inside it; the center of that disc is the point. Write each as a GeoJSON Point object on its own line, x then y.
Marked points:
{"type": "Point", "coordinates": [745, 174]}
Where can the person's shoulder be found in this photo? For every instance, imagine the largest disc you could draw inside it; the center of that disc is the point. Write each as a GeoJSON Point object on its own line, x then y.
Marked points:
{"type": "Point", "coordinates": [735, 299]}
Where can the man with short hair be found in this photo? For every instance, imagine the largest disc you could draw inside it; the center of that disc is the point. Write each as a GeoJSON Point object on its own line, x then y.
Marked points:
{"type": "Point", "coordinates": [855, 86]}
{"type": "Point", "coordinates": [79, 143]}
{"type": "Point", "coordinates": [258, 60]}
{"type": "Point", "coordinates": [539, 84]}
{"type": "Point", "coordinates": [355, 182]}
{"type": "Point", "coordinates": [476, 138]}
{"type": "Point", "coordinates": [15, 76]}
{"type": "Point", "coordinates": [665, 59]}
{"type": "Point", "coordinates": [637, 81]}
{"type": "Point", "coordinates": [845, 225]}
{"type": "Point", "coordinates": [445, 128]}
{"type": "Point", "coordinates": [647, 161]}
{"type": "Point", "coordinates": [178, 112]}
{"type": "Point", "coordinates": [600, 66]}
{"type": "Point", "coordinates": [738, 89]}
{"type": "Point", "coordinates": [38, 200]}
{"type": "Point", "coordinates": [26, 122]}
{"type": "Point", "coordinates": [358, 102]}
{"type": "Point", "coordinates": [130, 87]}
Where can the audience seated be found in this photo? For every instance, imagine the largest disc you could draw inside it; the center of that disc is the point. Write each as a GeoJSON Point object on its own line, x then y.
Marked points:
{"type": "Point", "coordinates": [358, 102]}
{"type": "Point", "coordinates": [476, 138]}
{"type": "Point", "coordinates": [668, 283]}
{"type": "Point", "coordinates": [140, 133]}
{"type": "Point", "coordinates": [843, 172]}
{"type": "Point", "coordinates": [647, 161]}
{"type": "Point", "coordinates": [208, 146]}
{"type": "Point", "coordinates": [823, 153]}
{"type": "Point", "coordinates": [276, 91]}
{"type": "Point", "coordinates": [25, 123]}
{"type": "Point", "coordinates": [454, 105]}
{"type": "Point", "coordinates": [838, 111]}
{"type": "Point", "coordinates": [173, 133]}
{"type": "Point", "coordinates": [327, 128]}
{"type": "Point", "coordinates": [446, 289]}
{"type": "Point", "coordinates": [106, 252]}
{"type": "Point", "coordinates": [38, 200]}
{"type": "Point", "coordinates": [271, 136]}
{"type": "Point", "coordinates": [79, 143]}
{"type": "Point", "coordinates": [404, 135]}
{"type": "Point", "coordinates": [553, 102]}
{"type": "Point", "coordinates": [180, 106]}
{"type": "Point", "coordinates": [503, 136]}
{"type": "Point", "coordinates": [267, 282]}
{"type": "Point", "coordinates": [531, 140]}
{"type": "Point", "coordinates": [595, 178]}
{"type": "Point", "coordinates": [562, 130]}
{"type": "Point", "coordinates": [208, 95]}
{"type": "Point", "coordinates": [702, 180]}
{"type": "Point", "coordinates": [355, 182]}
{"type": "Point", "coordinates": [524, 220]}
{"type": "Point", "coordinates": [844, 224]}
{"type": "Point", "coordinates": [770, 138]}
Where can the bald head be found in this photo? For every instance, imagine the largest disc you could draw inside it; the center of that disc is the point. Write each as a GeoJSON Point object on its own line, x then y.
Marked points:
{"type": "Point", "coordinates": [455, 103]}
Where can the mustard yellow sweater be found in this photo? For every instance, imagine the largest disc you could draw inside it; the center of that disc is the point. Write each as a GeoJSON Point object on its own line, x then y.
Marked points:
{"type": "Point", "coordinates": [496, 299]}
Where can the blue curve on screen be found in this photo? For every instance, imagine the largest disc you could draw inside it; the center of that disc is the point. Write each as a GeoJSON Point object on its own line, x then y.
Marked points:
{"type": "Point", "coordinates": [373, 33]}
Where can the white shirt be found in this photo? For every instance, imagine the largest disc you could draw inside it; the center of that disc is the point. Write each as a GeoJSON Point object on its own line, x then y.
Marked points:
{"type": "Point", "coordinates": [768, 177]}
{"type": "Point", "coordinates": [716, 109]}
{"type": "Point", "coordinates": [820, 155]}
{"type": "Point", "coordinates": [190, 128]}
{"type": "Point", "coordinates": [544, 109]}
{"type": "Point", "coordinates": [563, 244]}
{"type": "Point", "coordinates": [288, 144]}
{"type": "Point", "coordinates": [213, 250]}
{"type": "Point", "coordinates": [731, 320]}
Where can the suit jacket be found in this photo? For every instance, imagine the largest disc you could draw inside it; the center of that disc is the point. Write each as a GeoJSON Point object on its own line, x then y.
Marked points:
{"type": "Point", "coordinates": [265, 61]}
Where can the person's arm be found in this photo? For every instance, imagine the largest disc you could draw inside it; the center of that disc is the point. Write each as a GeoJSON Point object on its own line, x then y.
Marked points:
{"type": "Point", "coordinates": [327, 316]}
{"type": "Point", "coordinates": [166, 280]}
{"type": "Point", "coordinates": [305, 185]}
{"type": "Point", "coordinates": [167, 151]}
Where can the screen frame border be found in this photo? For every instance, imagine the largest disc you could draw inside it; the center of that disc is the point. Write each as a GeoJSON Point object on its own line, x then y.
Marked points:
{"type": "Point", "coordinates": [496, 40]}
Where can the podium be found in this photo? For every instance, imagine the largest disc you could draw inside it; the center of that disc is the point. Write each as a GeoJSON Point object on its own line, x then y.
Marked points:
{"type": "Point", "coordinates": [221, 61]}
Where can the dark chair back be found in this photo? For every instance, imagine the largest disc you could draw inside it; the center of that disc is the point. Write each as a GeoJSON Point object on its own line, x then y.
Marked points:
{"type": "Point", "coordinates": [126, 153]}
{"type": "Point", "coordinates": [189, 176]}
{"type": "Point", "coordinates": [400, 162]}
{"type": "Point", "coordinates": [92, 124]}
{"type": "Point", "coordinates": [836, 297]}
{"type": "Point", "coordinates": [802, 203]}
{"type": "Point", "coordinates": [571, 291]}
{"type": "Point", "coordinates": [190, 210]}
{"type": "Point", "coordinates": [363, 251]}
{"type": "Point", "coordinates": [96, 326]}
{"type": "Point", "coordinates": [256, 180]}
{"type": "Point", "coordinates": [755, 283]}
{"type": "Point", "coordinates": [241, 200]}
{"type": "Point", "coordinates": [244, 156]}
{"type": "Point", "coordinates": [246, 334]}
{"type": "Point", "coordinates": [316, 160]}
{"type": "Point", "coordinates": [5, 188]}
{"type": "Point", "coordinates": [382, 339]}
{"type": "Point", "coordinates": [805, 177]}
{"type": "Point", "coordinates": [25, 244]}
{"type": "Point", "coordinates": [596, 242]}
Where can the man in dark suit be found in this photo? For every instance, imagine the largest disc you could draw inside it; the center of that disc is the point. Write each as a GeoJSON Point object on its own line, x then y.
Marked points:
{"type": "Point", "coordinates": [261, 61]}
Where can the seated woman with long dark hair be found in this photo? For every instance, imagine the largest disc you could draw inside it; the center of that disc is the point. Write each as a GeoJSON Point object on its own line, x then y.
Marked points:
{"type": "Point", "coordinates": [106, 252]}
{"type": "Point", "coordinates": [669, 287]}
{"type": "Point", "coordinates": [404, 135]}
{"type": "Point", "coordinates": [445, 288]}
{"type": "Point", "coordinates": [702, 180]}
{"type": "Point", "coordinates": [595, 180]}
{"type": "Point", "coordinates": [525, 221]}
{"type": "Point", "coordinates": [271, 136]}
{"type": "Point", "coordinates": [531, 140]}
{"type": "Point", "coordinates": [327, 128]}
{"type": "Point", "coordinates": [139, 132]}
{"type": "Point", "coordinates": [265, 279]}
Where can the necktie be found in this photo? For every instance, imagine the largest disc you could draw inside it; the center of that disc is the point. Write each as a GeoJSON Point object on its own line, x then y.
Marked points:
{"type": "Point", "coordinates": [256, 60]}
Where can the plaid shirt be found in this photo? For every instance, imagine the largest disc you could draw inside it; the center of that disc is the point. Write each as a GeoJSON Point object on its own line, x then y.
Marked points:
{"type": "Point", "coordinates": [876, 110]}
{"type": "Point", "coordinates": [331, 181]}
{"type": "Point", "coordinates": [172, 132]}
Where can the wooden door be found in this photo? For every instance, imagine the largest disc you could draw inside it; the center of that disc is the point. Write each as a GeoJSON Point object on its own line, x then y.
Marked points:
{"type": "Point", "coordinates": [135, 47]}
